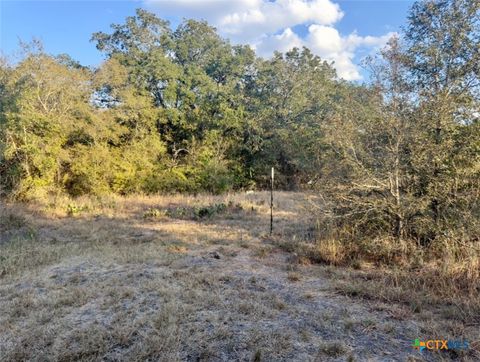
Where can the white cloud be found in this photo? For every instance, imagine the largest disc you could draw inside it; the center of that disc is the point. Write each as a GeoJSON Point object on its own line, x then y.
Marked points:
{"type": "Point", "coordinates": [267, 26]}
{"type": "Point", "coordinates": [327, 42]}
{"type": "Point", "coordinates": [211, 10]}
{"type": "Point", "coordinates": [282, 43]}
{"type": "Point", "coordinates": [270, 17]}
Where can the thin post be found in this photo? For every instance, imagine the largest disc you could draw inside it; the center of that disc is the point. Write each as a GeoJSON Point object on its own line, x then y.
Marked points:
{"type": "Point", "coordinates": [271, 202]}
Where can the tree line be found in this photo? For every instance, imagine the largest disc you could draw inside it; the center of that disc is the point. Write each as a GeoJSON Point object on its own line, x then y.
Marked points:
{"type": "Point", "coordinates": [183, 110]}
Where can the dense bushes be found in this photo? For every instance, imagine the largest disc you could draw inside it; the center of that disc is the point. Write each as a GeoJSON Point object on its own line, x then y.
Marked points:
{"type": "Point", "coordinates": [167, 111]}
{"type": "Point", "coordinates": [183, 110]}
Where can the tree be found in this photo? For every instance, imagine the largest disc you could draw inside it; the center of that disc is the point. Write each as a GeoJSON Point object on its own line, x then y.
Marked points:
{"type": "Point", "coordinates": [443, 39]}
{"type": "Point", "coordinates": [370, 136]}
{"type": "Point", "coordinates": [289, 97]}
{"type": "Point", "coordinates": [187, 82]}
{"type": "Point", "coordinates": [43, 102]}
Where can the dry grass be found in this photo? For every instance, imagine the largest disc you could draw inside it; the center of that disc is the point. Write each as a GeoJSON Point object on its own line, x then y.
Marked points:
{"type": "Point", "coordinates": [413, 278]}
{"type": "Point", "coordinates": [155, 278]}
{"type": "Point", "coordinates": [444, 273]}
{"type": "Point", "coordinates": [439, 286]}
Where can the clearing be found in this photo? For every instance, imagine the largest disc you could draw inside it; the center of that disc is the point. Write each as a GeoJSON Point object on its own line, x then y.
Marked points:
{"type": "Point", "coordinates": [190, 278]}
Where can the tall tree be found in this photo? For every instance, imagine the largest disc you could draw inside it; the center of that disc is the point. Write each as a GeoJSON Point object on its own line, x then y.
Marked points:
{"type": "Point", "coordinates": [382, 156]}
{"type": "Point", "coordinates": [444, 57]}
{"type": "Point", "coordinates": [289, 97]}
{"type": "Point", "coordinates": [44, 101]}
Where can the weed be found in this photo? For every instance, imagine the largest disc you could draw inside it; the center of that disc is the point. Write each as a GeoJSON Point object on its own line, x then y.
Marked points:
{"type": "Point", "coordinates": [293, 276]}
{"type": "Point", "coordinates": [263, 251]}
{"type": "Point", "coordinates": [197, 212]}
{"type": "Point", "coordinates": [334, 349]}
{"type": "Point", "coordinates": [10, 220]}
{"type": "Point", "coordinates": [74, 209]}
{"type": "Point", "coordinates": [154, 213]}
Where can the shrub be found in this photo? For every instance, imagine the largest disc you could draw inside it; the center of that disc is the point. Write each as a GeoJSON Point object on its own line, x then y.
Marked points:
{"type": "Point", "coordinates": [74, 209]}
{"type": "Point", "coordinates": [199, 212]}
{"type": "Point", "coordinates": [154, 213]}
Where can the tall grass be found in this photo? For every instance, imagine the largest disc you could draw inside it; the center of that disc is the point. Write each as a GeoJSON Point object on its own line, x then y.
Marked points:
{"type": "Point", "coordinates": [379, 266]}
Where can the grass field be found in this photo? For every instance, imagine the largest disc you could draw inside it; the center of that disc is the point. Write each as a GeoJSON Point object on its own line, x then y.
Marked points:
{"type": "Point", "coordinates": [199, 278]}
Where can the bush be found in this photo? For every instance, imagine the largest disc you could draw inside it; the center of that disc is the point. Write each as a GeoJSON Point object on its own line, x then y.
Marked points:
{"type": "Point", "coordinates": [74, 209]}
{"type": "Point", "coordinates": [200, 212]}
{"type": "Point", "coordinates": [180, 179]}
{"type": "Point", "coordinates": [154, 213]}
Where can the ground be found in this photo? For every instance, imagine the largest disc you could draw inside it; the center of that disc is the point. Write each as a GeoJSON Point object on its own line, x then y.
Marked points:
{"type": "Point", "coordinates": [186, 278]}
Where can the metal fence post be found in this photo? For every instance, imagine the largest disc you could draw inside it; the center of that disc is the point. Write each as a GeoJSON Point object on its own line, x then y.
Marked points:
{"type": "Point", "coordinates": [271, 202]}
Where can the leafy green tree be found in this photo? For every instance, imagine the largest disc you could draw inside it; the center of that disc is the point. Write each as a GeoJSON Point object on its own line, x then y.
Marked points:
{"type": "Point", "coordinates": [187, 82]}
{"type": "Point", "coordinates": [369, 150]}
{"type": "Point", "coordinates": [443, 55]}
{"type": "Point", "coordinates": [44, 101]}
{"type": "Point", "coordinates": [290, 97]}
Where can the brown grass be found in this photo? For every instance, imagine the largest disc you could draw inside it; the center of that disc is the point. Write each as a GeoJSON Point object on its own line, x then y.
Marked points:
{"type": "Point", "coordinates": [149, 278]}
{"type": "Point", "coordinates": [442, 281]}
{"type": "Point", "coordinates": [446, 272]}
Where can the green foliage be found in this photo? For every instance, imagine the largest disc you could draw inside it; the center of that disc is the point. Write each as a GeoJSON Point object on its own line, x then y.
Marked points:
{"type": "Point", "coordinates": [200, 212]}
{"type": "Point", "coordinates": [405, 159]}
{"type": "Point", "coordinates": [154, 213]}
{"type": "Point", "coordinates": [74, 209]}
{"type": "Point", "coordinates": [182, 110]}
{"type": "Point", "coordinates": [291, 98]}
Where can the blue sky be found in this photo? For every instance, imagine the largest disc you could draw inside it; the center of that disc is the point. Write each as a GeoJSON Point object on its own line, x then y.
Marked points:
{"type": "Point", "coordinates": [340, 31]}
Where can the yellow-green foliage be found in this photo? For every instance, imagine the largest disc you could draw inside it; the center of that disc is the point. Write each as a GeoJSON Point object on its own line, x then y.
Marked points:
{"type": "Point", "coordinates": [185, 111]}
{"type": "Point", "coordinates": [55, 137]}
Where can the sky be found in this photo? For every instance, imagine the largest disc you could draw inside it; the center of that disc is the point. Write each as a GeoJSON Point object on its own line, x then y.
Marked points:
{"type": "Point", "coordinates": [342, 31]}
